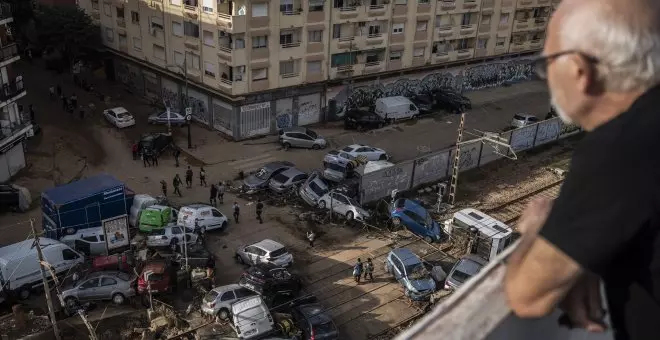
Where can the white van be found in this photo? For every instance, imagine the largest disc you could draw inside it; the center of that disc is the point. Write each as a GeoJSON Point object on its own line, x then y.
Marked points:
{"type": "Point", "coordinates": [19, 264]}
{"type": "Point", "coordinates": [90, 242]}
{"type": "Point", "coordinates": [140, 202]}
{"type": "Point", "coordinates": [208, 218]}
{"type": "Point", "coordinates": [393, 108]}
{"type": "Point", "coordinates": [493, 235]}
{"type": "Point", "coordinates": [251, 318]}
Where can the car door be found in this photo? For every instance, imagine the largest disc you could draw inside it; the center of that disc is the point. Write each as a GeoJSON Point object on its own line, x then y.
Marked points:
{"type": "Point", "coordinates": [107, 287]}
{"type": "Point", "coordinates": [305, 140]}
{"type": "Point", "coordinates": [88, 290]}
{"type": "Point", "coordinates": [217, 219]}
{"type": "Point", "coordinates": [341, 204]}
{"type": "Point", "coordinates": [252, 254]}
{"type": "Point", "coordinates": [298, 179]}
{"type": "Point", "coordinates": [260, 255]}
{"type": "Point", "coordinates": [397, 268]}
{"type": "Point", "coordinates": [227, 298]}
{"type": "Point", "coordinates": [177, 233]}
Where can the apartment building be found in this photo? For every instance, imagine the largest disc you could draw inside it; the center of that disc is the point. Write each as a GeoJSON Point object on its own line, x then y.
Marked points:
{"type": "Point", "coordinates": [248, 62]}
{"type": "Point", "coordinates": [14, 128]}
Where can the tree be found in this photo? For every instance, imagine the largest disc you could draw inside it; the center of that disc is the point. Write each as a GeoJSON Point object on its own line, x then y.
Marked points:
{"type": "Point", "coordinates": [68, 30]}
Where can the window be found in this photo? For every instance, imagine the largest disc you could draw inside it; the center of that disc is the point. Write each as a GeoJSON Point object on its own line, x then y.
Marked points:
{"type": "Point", "coordinates": [175, 2]}
{"type": "Point", "coordinates": [239, 43]}
{"type": "Point", "coordinates": [156, 22]}
{"type": "Point", "coordinates": [339, 3]}
{"type": "Point", "coordinates": [108, 281]}
{"type": "Point", "coordinates": [208, 38]}
{"type": "Point", "coordinates": [207, 6]}
{"type": "Point", "coordinates": [260, 42]}
{"type": "Point", "coordinates": [259, 73]}
{"type": "Point", "coordinates": [374, 30]}
{"type": "Point", "coordinates": [342, 59]}
{"type": "Point", "coordinates": [109, 34]}
{"type": "Point", "coordinates": [192, 61]}
{"type": "Point", "coordinates": [315, 36]}
{"type": "Point", "coordinates": [442, 20]}
{"type": "Point", "coordinates": [336, 31]}
{"type": "Point", "coordinates": [287, 67]}
{"type": "Point", "coordinates": [462, 44]}
{"type": "Point", "coordinates": [92, 283]}
{"type": "Point", "coordinates": [394, 56]}
{"type": "Point", "coordinates": [286, 37]}
{"type": "Point", "coordinates": [259, 10]}
{"type": "Point", "coordinates": [482, 43]}
{"type": "Point", "coordinates": [209, 70]}
{"type": "Point", "coordinates": [228, 296]}
{"type": "Point", "coordinates": [504, 18]}
{"type": "Point", "coordinates": [159, 52]}
{"type": "Point", "coordinates": [286, 6]}
{"type": "Point", "coordinates": [177, 28]}
{"type": "Point", "coordinates": [485, 20]}
{"type": "Point", "coordinates": [216, 213]}
{"type": "Point", "coordinates": [418, 52]}
{"type": "Point", "coordinates": [135, 17]}
{"type": "Point", "coordinates": [120, 13]}
{"type": "Point", "coordinates": [466, 19]}
{"type": "Point", "coordinates": [239, 72]}
{"type": "Point", "coordinates": [372, 58]}
{"type": "Point", "coordinates": [316, 5]}
{"type": "Point", "coordinates": [397, 28]}
{"type": "Point", "coordinates": [314, 67]}
{"type": "Point", "coordinates": [191, 29]}
{"type": "Point", "coordinates": [423, 2]}
{"type": "Point", "coordinates": [422, 26]}
{"type": "Point", "coordinates": [242, 292]}
{"type": "Point", "coordinates": [107, 10]}
{"type": "Point", "coordinates": [176, 231]}
{"type": "Point", "coordinates": [500, 42]}
{"type": "Point", "coordinates": [178, 58]}
{"type": "Point", "coordinates": [69, 254]}
{"type": "Point", "coordinates": [401, 2]}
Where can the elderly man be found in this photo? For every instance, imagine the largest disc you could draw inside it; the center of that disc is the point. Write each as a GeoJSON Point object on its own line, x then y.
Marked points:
{"type": "Point", "coordinates": [602, 63]}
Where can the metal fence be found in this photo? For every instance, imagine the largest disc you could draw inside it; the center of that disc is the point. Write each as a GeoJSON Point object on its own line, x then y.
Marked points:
{"type": "Point", "coordinates": [437, 166]}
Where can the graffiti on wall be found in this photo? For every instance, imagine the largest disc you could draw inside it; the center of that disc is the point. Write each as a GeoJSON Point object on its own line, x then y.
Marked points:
{"type": "Point", "coordinates": [309, 109]}
{"type": "Point", "coordinates": [523, 138]}
{"type": "Point", "coordinates": [547, 132]}
{"type": "Point", "coordinates": [469, 156]}
{"type": "Point", "coordinates": [493, 75]}
{"type": "Point", "coordinates": [379, 184]}
{"type": "Point", "coordinates": [283, 120]}
{"type": "Point", "coordinates": [170, 95]}
{"type": "Point", "coordinates": [430, 168]}
{"type": "Point", "coordinates": [199, 107]}
{"type": "Point", "coordinates": [222, 116]}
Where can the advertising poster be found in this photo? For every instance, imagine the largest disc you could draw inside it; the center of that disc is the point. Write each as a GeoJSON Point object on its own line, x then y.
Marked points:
{"type": "Point", "coordinates": [116, 232]}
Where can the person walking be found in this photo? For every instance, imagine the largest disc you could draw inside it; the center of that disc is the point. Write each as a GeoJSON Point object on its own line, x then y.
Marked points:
{"type": "Point", "coordinates": [51, 92]}
{"type": "Point", "coordinates": [74, 100]}
{"type": "Point", "coordinates": [210, 267]}
{"type": "Point", "coordinates": [357, 270]}
{"type": "Point", "coordinates": [214, 194]}
{"type": "Point", "coordinates": [311, 236]}
{"type": "Point", "coordinates": [146, 157]}
{"type": "Point", "coordinates": [202, 176]}
{"type": "Point", "coordinates": [260, 208]}
{"type": "Point", "coordinates": [163, 187]}
{"type": "Point", "coordinates": [369, 270]}
{"type": "Point", "coordinates": [237, 211]}
{"type": "Point", "coordinates": [134, 150]}
{"type": "Point", "coordinates": [177, 153]}
{"type": "Point", "coordinates": [154, 159]}
{"type": "Point", "coordinates": [221, 192]}
{"type": "Point", "coordinates": [189, 177]}
{"type": "Point", "coordinates": [176, 182]}
{"type": "Point", "coordinates": [58, 90]}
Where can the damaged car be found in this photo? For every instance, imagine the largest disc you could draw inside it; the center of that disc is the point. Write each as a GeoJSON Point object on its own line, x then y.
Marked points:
{"type": "Point", "coordinates": [104, 285]}
{"type": "Point", "coordinates": [260, 179]}
{"type": "Point", "coordinates": [313, 189]}
{"type": "Point", "coordinates": [270, 279]}
{"type": "Point", "coordinates": [409, 270]}
{"type": "Point", "coordinates": [341, 204]}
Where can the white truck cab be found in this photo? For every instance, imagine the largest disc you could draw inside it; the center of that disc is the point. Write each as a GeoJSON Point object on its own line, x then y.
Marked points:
{"type": "Point", "coordinates": [491, 236]}
{"type": "Point", "coordinates": [395, 108]}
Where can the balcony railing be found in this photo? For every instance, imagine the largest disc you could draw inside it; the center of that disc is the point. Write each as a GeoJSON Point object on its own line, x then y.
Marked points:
{"type": "Point", "coordinates": [225, 81]}
{"type": "Point", "coordinates": [121, 23]}
{"type": "Point", "coordinates": [11, 89]}
{"type": "Point", "coordinates": [376, 7]}
{"type": "Point", "coordinates": [290, 75]}
{"type": "Point", "coordinates": [372, 63]}
{"type": "Point", "coordinates": [444, 28]}
{"type": "Point", "coordinates": [346, 38]}
{"type": "Point", "coordinates": [294, 12]}
{"type": "Point", "coordinates": [8, 52]}
{"type": "Point", "coordinates": [374, 35]}
{"type": "Point", "coordinates": [447, 4]}
{"type": "Point", "coordinates": [224, 16]}
{"type": "Point", "coordinates": [190, 7]}
{"type": "Point", "coordinates": [5, 11]}
{"type": "Point", "coordinates": [348, 9]}
{"type": "Point", "coordinates": [226, 49]}
{"type": "Point", "coordinates": [344, 68]}
{"type": "Point", "coordinates": [291, 45]}
{"type": "Point", "coordinates": [14, 129]}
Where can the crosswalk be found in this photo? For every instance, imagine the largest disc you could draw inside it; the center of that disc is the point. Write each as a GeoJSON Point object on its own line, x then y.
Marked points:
{"type": "Point", "coordinates": [248, 165]}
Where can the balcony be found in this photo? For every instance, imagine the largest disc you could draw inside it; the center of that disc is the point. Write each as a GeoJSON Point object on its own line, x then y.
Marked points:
{"type": "Point", "coordinates": [8, 53]}
{"type": "Point", "coordinates": [446, 6]}
{"type": "Point", "coordinates": [259, 85]}
{"type": "Point", "coordinates": [344, 43]}
{"type": "Point", "coordinates": [231, 23]}
{"type": "Point", "coordinates": [229, 55]}
{"type": "Point", "coordinates": [5, 11]}
{"type": "Point", "coordinates": [518, 46]}
{"type": "Point", "coordinates": [533, 3]}
{"type": "Point", "coordinates": [290, 79]}
{"type": "Point", "coordinates": [291, 18]}
{"type": "Point", "coordinates": [468, 31]}
{"type": "Point", "coordinates": [377, 10]}
{"type": "Point", "coordinates": [536, 44]}
{"type": "Point", "coordinates": [291, 50]}
{"type": "Point", "coordinates": [443, 32]}
{"type": "Point", "coordinates": [441, 57]}
{"type": "Point", "coordinates": [11, 133]}
{"type": "Point", "coordinates": [343, 14]}
{"type": "Point", "coordinates": [376, 40]}
{"type": "Point", "coordinates": [471, 5]}
{"type": "Point", "coordinates": [233, 87]}
{"type": "Point", "coordinates": [418, 61]}
{"type": "Point", "coordinates": [343, 71]}
{"type": "Point", "coordinates": [11, 91]}
{"type": "Point", "coordinates": [466, 53]}
{"type": "Point", "coordinates": [121, 23]}
{"type": "Point", "coordinates": [374, 67]}
{"type": "Point", "coordinates": [478, 311]}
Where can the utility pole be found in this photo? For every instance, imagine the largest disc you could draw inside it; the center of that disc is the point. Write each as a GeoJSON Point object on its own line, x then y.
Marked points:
{"type": "Point", "coordinates": [457, 160]}
{"type": "Point", "coordinates": [51, 311]}
{"type": "Point", "coordinates": [184, 102]}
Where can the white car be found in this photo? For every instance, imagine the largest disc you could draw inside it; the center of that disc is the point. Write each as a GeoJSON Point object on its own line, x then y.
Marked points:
{"type": "Point", "coordinates": [522, 120]}
{"type": "Point", "coordinates": [343, 205]}
{"type": "Point", "coordinates": [119, 117]}
{"type": "Point", "coordinates": [266, 251]}
{"type": "Point", "coordinates": [368, 152]}
{"type": "Point", "coordinates": [169, 235]}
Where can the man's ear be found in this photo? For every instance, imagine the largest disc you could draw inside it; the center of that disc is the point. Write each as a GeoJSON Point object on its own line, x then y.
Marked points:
{"type": "Point", "coordinates": [585, 74]}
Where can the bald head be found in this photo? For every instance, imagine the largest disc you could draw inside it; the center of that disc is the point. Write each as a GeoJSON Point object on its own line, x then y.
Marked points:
{"type": "Point", "coordinates": [623, 35]}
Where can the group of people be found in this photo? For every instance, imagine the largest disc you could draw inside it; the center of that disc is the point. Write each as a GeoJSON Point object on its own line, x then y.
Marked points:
{"type": "Point", "coordinates": [69, 104]}
{"type": "Point", "coordinates": [363, 268]}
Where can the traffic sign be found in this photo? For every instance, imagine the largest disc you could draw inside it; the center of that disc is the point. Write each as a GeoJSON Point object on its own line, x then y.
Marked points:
{"type": "Point", "coordinates": [188, 111]}
{"type": "Point", "coordinates": [188, 117]}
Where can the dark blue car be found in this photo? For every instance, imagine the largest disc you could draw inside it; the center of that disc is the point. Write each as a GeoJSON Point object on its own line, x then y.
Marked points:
{"type": "Point", "coordinates": [412, 215]}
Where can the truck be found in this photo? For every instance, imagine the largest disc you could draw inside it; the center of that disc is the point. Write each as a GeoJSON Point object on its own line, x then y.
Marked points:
{"type": "Point", "coordinates": [488, 236]}
{"type": "Point", "coordinates": [83, 204]}
{"type": "Point", "coordinates": [395, 108]}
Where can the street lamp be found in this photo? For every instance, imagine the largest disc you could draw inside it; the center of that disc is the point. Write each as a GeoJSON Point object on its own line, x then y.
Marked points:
{"type": "Point", "coordinates": [184, 70]}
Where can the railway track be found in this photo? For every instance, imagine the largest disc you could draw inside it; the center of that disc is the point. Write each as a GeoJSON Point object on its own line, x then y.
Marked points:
{"type": "Point", "coordinates": [510, 211]}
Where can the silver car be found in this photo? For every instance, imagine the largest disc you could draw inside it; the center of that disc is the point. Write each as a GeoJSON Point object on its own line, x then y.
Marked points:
{"type": "Point", "coordinates": [300, 137]}
{"type": "Point", "coordinates": [173, 118]}
{"type": "Point", "coordinates": [170, 235]}
{"type": "Point", "coordinates": [522, 120]}
{"type": "Point", "coordinates": [467, 267]}
{"type": "Point", "coordinates": [343, 205]}
{"type": "Point", "coordinates": [313, 188]}
{"type": "Point", "coordinates": [287, 180]}
{"type": "Point", "coordinates": [105, 285]}
{"type": "Point", "coordinates": [259, 180]}
{"type": "Point", "coordinates": [266, 251]}
{"type": "Point", "coordinates": [218, 301]}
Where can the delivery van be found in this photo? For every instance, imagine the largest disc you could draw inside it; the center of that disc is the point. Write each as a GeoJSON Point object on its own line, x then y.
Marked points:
{"type": "Point", "coordinates": [395, 108]}
{"type": "Point", "coordinates": [201, 217]}
{"type": "Point", "coordinates": [20, 272]}
{"type": "Point", "coordinates": [156, 217]}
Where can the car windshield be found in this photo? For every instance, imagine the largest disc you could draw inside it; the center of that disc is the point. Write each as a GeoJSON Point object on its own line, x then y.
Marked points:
{"type": "Point", "coordinates": [124, 276]}
{"type": "Point", "coordinates": [460, 276]}
{"type": "Point", "coordinates": [263, 174]}
{"type": "Point", "coordinates": [336, 167]}
{"type": "Point", "coordinates": [122, 115]}
{"type": "Point", "coordinates": [347, 149]}
{"type": "Point", "coordinates": [312, 134]}
{"type": "Point", "coordinates": [278, 252]}
{"type": "Point", "coordinates": [324, 328]}
{"type": "Point", "coordinates": [417, 271]}
{"type": "Point", "coordinates": [518, 117]}
{"type": "Point", "coordinates": [317, 189]}
{"type": "Point", "coordinates": [280, 178]}
{"type": "Point", "coordinates": [210, 296]}
{"type": "Point", "coordinates": [353, 202]}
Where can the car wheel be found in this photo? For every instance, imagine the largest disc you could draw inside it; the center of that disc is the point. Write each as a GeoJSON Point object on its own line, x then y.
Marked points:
{"type": "Point", "coordinates": [71, 303]}
{"type": "Point", "coordinates": [321, 204]}
{"type": "Point", "coordinates": [396, 221]}
{"type": "Point", "coordinates": [286, 146]}
{"type": "Point", "coordinates": [223, 314]}
{"type": "Point", "coordinates": [224, 225]}
{"type": "Point", "coordinates": [118, 299]}
{"type": "Point", "coordinates": [316, 147]}
{"type": "Point", "coordinates": [24, 293]}
{"type": "Point", "coordinates": [239, 259]}
{"type": "Point", "coordinates": [382, 158]}
{"type": "Point", "coordinates": [350, 215]}
{"type": "Point", "coordinates": [428, 239]}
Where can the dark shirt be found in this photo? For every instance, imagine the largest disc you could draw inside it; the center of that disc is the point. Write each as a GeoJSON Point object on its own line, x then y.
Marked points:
{"type": "Point", "coordinates": [189, 173]}
{"type": "Point", "coordinates": [214, 191]}
{"type": "Point", "coordinates": [607, 217]}
{"type": "Point", "coordinates": [260, 206]}
{"type": "Point", "coordinates": [210, 263]}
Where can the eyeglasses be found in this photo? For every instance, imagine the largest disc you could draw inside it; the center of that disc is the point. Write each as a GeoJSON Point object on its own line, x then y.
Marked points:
{"type": "Point", "coordinates": [541, 63]}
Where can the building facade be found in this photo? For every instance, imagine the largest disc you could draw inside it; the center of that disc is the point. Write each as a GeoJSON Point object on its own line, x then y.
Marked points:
{"type": "Point", "coordinates": [14, 127]}
{"type": "Point", "coordinates": [249, 62]}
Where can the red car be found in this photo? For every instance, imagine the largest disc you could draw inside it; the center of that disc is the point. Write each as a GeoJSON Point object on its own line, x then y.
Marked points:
{"type": "Point", "coordinates": [123, 262]}
{"type": "Point", "coordinates": [158, 276]}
